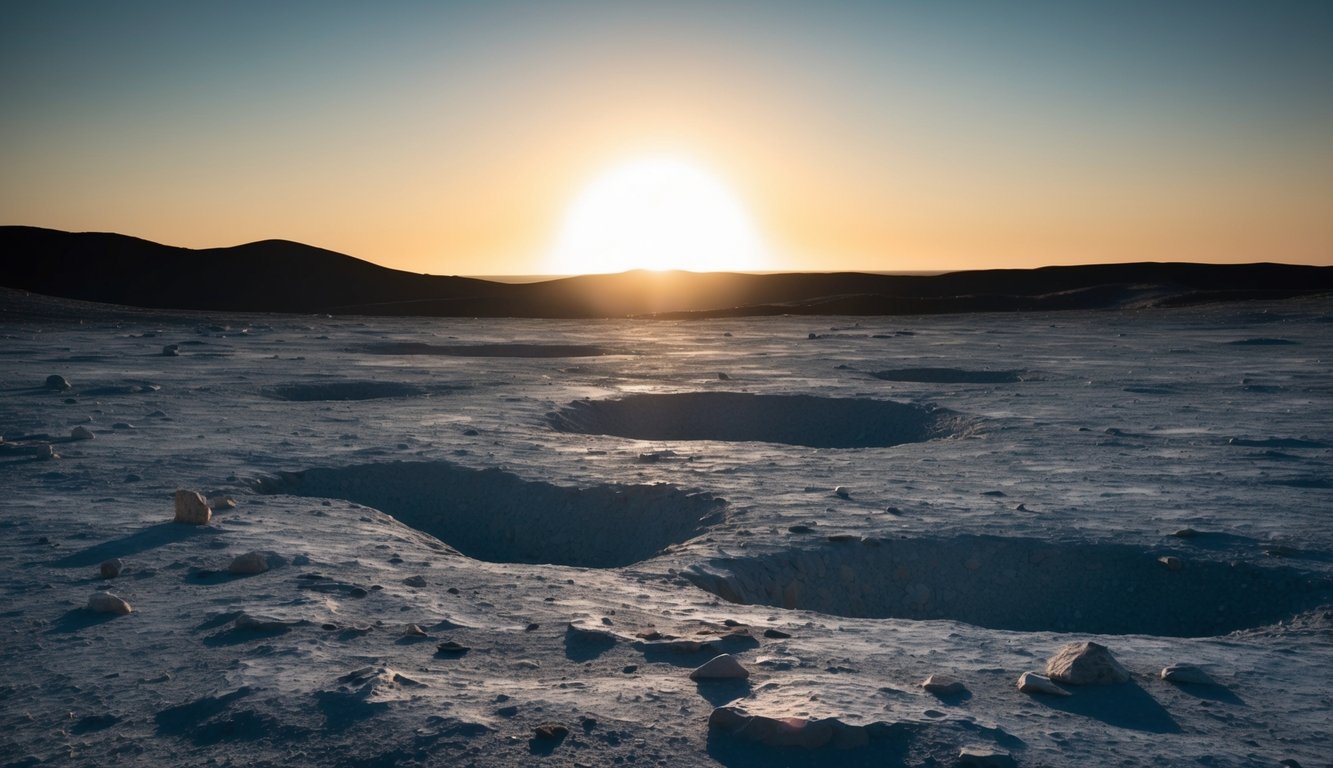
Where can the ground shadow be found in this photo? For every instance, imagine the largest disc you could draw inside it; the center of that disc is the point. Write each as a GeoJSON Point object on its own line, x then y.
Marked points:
{"type": "Point", "coordinates": [736, 752]}
{"type": "Point", "coordinates": [152, 537]}
{"type": "Point", "coordinates": [719, 692]}
{"type": "Point", "coordinates": [1124, 706]}
{"type": "Point", "coordinates": [540, 746]}
{"type": "Point", "coordinates": [342, 709]}
{"type": "Point", "coordinates": [239, 636]}
{"type": "Point", "coordinates": [78, 619]}
{"type": "Point", "coordinates": [1218, 693]}
{"type": "Point", "coordinates": [583, 646]}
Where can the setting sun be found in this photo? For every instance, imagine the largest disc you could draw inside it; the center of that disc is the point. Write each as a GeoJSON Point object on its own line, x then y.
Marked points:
{"type": "Point", "coordinates": [658, 212]}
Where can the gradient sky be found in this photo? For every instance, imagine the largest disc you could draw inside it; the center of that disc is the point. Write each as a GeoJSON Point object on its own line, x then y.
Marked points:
{"type": "Point", "coordinates": [451, 137]}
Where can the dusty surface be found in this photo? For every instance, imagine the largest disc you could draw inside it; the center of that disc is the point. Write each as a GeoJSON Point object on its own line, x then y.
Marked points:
{"type": "Point", "coordinates": [1028, 502]}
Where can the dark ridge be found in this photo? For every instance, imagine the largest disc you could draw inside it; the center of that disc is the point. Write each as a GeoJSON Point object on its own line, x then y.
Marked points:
{"type": "Point", "coordinates": [282, 276]}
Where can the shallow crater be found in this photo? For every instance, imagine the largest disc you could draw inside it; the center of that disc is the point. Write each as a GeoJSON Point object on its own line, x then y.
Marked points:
{"type": "Point", "coordinates": [343, 390]}
{"type": "Point", "coordinates": [807, 420]}
{"type": "Point", "coordinates": [1019, 584]}
{"type": "Point", "coordinates": [499, 517]}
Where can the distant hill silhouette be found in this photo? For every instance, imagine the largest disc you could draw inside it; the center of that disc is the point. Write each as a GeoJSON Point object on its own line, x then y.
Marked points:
{"type": "Point", "coordinates": [283, 276]}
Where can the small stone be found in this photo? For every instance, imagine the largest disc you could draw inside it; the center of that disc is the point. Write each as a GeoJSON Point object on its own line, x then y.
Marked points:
{"type": "Point", "coordinates": [984, 757]}
{"type": "Point", "coordinates": [1171, 563]}
{"type": "Point", "coordinates": [1186, 673]}
{"type": "Point", "coordinates": [1031, 682]}
{"type": "Point", "coordinates": [413, 630]}
{"type": "Point", "coordinates": [110, 569]}
{"type": "Point", "coordinates": [57, 383]}
{"type": "Point", "coordinates": [942, 685]}
{"type": "Point", "coordinates": [1185, 533]}
{"type": "Point", "coordinates": [842, 492]}
{"type": "Point", "coordinates": [105, 602]}
{"type": "Point", "coordinates": [415, 581]}
{"type": "Point", "coordinates": [776, 634]}
{"type": "Point", "coordinates": [550, 732]}
{"type": "Point", "coordinates": [248, 564]}
{"type": "Point", "coordinates": [1085, 664]}
{"type": "Point", "coordinates": [171, 350]}
{"type": "Point", "coordinates": [722, 667]}
{"type": "Point", "coordinates": [722, 376]}
{"type": "Point", "coordinates": [191, 508]}
{"type": "Point", "coordinates": [81, 433]}
{"type": "Point", "coordinates": [800, 529]}
{"type": "Point", "coordinates": [451, 648]}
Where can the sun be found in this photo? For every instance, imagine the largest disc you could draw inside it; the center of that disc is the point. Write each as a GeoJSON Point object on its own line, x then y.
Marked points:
{"type": "Point", "coordinates": [656, 212]}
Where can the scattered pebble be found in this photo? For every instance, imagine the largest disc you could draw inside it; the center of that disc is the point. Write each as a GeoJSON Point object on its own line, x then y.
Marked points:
{"type": "Point", "coordinates": [105, 602]}
{"type": "Point", "coordinates": [1031, 682]}
{"type": "Point", "coordinates": [110, 569]}
{"type": "Point", "coordinates": [722, 667]}
{"type": "Point", "coordinates": [191, 508]}
{"type": "Point", "coordinates": [81, 433]}
{"type": "Point", "coordinates": [1085, 664]}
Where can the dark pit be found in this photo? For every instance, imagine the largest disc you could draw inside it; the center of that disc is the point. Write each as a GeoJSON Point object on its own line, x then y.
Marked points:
{"type": "Point", "coordinates": [807, 420]}
{"type": "Point", "coordinates": [499, 517]}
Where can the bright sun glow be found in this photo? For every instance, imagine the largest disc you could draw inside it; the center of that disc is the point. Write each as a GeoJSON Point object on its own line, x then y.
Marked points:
{"type": "Point", "coordinates": [659, 212]}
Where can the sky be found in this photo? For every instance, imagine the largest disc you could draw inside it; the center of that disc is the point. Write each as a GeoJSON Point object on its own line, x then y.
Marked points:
{"type": "Point", "coordinates": [453, 138]}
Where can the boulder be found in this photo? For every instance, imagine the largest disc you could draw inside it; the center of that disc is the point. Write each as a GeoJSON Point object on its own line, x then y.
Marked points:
{"type": "Point", "coordinates": [1085, 664]}
{"type": "Point", "coordinates": [110, 569]}
{"type": "Point", "coordinates": [721, 667]}
{"type": "Point", "coordinates": [1031, 682]}
{"type": "Point", "coordinates": [191, 508]}
{"type": "Point", "coordinates": [985, 757]}
{"type": "Point", "coordinates": [943, 685]}
{"type": "Point", "coordinates": [81, 433]}
{"type": "Point", "coordinates": [249, 564]}
{"type": "Point", "coordinates": [105, 602]}
{"type": "Point", "coordinates": [1186, 673]}
{"type": "Point", "coordinates": [57, 383]}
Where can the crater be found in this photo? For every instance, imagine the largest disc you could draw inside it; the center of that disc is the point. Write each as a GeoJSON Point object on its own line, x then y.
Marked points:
{"type": "Point", "coordinates": [1019, 584]}
{"type": "Point", "coordinates": [344, 390]}
{"type": "Point", "coordinates": [806, 420]}
{"type": "Point", "coordinates": [489, 350]}
{"type": "Point", "coordinates": [948, 376]}
{"type": "Point", "coordinates": [496, 516]}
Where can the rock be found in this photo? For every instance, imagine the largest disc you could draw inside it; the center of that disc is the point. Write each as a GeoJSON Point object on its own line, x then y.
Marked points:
{"type": "Point", "coordinates": [57, 383]}
{"type": "Point", "coordinates": [45, 452]}
{"type": "Point", "coordinates": [221, 502]}
{"type": "Point", "coordinates": [451, 648]}
{"type": "Point", "coordinates": [191, 508]}
{"type": "Point", "coordinates": [723, 377]}
{"type": "Point", "coordinates": [1186, 673]}
{"type": "Point", "coordinates": [1031, 682]}
{"type": "Point", "coordinates": [842, 492]}
{"type": "Point", "coordinates": [415, 581]}
{"type": "Point", "coordinates": [248, 564]}
{"type": "Point", "coordinates": [122, 425]}
{"type": "Point", "coordinates": [413, 630]}
{"type": "Point", "coordinates": [1085, 664]}
{"type": "Point", "coordinates": [722, 667]}
{"type": "Point", "coordinates": [942, 685]}
{"type": "Point", "coordinates": [550, 732]}
{"type": "Point", "coordinates": [776, 634]}
{"type": "Point", "coordinates": [105, 602]}
{"type": "Point", "coordinates": [171, 350]}
{"type": "Point", "coordinates": [110, 569]}
{"type": "Point", "coordinates": [1185, 533]}
{"type": "Point", "coordinates": [985, 757]}
{"type": "Point", "coordinates": [81, 433]}
{"type": "Point", "coordinates": [260, 623]}
{"type": "Point", "coordinates": [788, 731]}
{"type": "Point", "coordinates": [1171, 563]}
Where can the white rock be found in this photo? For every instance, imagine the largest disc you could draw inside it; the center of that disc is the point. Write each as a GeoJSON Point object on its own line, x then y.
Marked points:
{"type": "Point", "coordinates": [723, 667]}
{"type": "Point", "coordinates": [943, 685]}
{"type": "Point", "coordinates": [81, 433]}
{"type": "Point", "coordinates": [105, 602]}
{"type": "Point", "coordinates": [1031, 682]}
{"type": "Point", "coordinates": [249, 564]}
{"type": "Point", "coordinates": [1085, 664]}
{"type": "Point", "coordinates": [110, 569]}
{"type": "Point", "coordinates": [985, 757]}
{"type": "Point", "coordinates": [191, 508]}
{"type": "Point", "coordinates": [1186, 673]}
